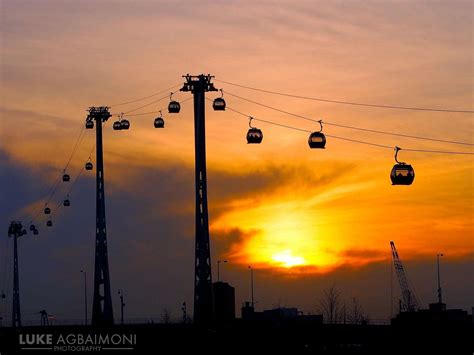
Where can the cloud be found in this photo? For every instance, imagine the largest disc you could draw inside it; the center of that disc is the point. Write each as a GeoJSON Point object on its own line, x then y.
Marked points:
{"type": "Point", "coordinates": [363, 254]}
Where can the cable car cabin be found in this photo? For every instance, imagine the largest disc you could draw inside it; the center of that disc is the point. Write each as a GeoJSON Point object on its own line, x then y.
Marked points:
{"type": "Point", "coordinates": [317, 140]}
{"type": "Point", "coordinates": [67, 203]}
{"type": "Point", "coordinates": [49, 223]}
{"type": "Point", "coordinates": [35, 232]}
{"type": "Point", "coordinates": [218, 104]}
{"type": "Point", "coordinates": [174, 107]}
{"type": "Point", "coordinates": [47, 210]}
{"type": "Point", "coordinates": [159, 122]}
{"type": "Point", "coordinates": [125, 124]}
{"type": "Point", "coordinates": [89, 124]}
{"type": "Point", "coordinates": [117, 126]}
{"type": "Point", "coordinates": [402, 174]}
{"type": "Point", "coordinates": [89, 165]}
{"type": "Point", "coordinates": [32, 227]}
{"type": "Point", "coordinates": [254, 136]}
{"type": "Point", "coordinates": [66, 178]}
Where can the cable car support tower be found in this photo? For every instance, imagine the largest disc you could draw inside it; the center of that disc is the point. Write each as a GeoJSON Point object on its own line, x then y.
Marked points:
{"type": "Point", "coordinates": [203, 298]}
{"type": "Point", "coordinates": [15, 230]}
{"type": "Point", "coordinates": [102, 313]}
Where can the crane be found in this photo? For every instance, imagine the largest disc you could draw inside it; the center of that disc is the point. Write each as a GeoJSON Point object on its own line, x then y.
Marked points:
{"type": "Point", "coordinates": [409, 302]}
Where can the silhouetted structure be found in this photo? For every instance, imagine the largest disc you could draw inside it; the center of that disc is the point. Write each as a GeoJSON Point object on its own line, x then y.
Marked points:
{"type": "Point", "coordinates": [224, 302]}
{"type": "Point", "coordinates": [440, 294]}
{"type": "Point", "coordinates": [410, 302]}
{"type": "Point", "coordinates": [15, 231]}
{"type": "Point", "coordinates": [102, 313]}
{"type": "Point", "coordinates": [437, 314]}
{"type": "Point", "coordinates": [247, 310]}
{"type": "Point", "coordinates": [44, 317]}
{"type": "Point", "coordinates": [203, 299]}
{"type": "Point", "coordinates": [279, 315]}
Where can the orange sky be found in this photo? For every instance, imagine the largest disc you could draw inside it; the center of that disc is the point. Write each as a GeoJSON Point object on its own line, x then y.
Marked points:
{"type": "Point", "coordinates": [314, 211]}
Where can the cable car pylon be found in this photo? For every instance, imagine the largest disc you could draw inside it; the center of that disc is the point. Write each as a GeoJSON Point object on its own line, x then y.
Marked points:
{"type": "Point", "coordinates": [203, 298]}
{"type": "Point", "coordinates": [102, 313]}
{"type": "Point", "coordinates": [15, 230]}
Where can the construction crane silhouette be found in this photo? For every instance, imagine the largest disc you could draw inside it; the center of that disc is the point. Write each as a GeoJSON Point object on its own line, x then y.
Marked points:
{"type": "Point", "coordinates": [409, 302]}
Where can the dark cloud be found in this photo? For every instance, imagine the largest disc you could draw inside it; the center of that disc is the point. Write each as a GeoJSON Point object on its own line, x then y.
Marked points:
{"type": "Point", "coordinates": [363, 254]}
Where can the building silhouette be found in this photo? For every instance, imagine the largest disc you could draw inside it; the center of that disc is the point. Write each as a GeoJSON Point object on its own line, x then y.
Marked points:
{"type": "Point", "coordinates": [224, 302]}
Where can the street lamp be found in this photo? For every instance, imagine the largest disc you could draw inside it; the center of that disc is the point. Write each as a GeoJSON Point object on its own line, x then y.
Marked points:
{"type": "Point", "coordinates": [218, 268]}
{"type": "Point", "coordinates": [251, 285]}
{"type": "Point", "coordinates": [185, 316]}
{"type": "Point", "coordinates": [440, 298]}
{"type": "Point", "coordinates": [85, 295]}
{"type": "Point", "coordinates": [122, 304]}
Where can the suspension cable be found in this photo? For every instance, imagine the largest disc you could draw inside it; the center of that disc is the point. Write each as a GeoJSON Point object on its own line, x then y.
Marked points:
{"type": "Point", "coordinates": [348, 139]}
{"type": "Point", "coordinates": [350, 127]}
{"type": "Point", "coordinates": [146, 97]}
{"type": "Point", "coordinates": [347, 102]}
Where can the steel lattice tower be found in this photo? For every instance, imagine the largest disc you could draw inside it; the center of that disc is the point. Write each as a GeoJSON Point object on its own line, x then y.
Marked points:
{"type": "Point", "coordinates": [102, 313]}
{"type": "Point", "coordinates": [15, 231]}
{"type": "Point", "coordinates": [203, 298]}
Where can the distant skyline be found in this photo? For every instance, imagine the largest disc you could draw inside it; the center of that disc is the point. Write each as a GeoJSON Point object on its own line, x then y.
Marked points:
{"type": "Point", "coordinates": [304, 219]}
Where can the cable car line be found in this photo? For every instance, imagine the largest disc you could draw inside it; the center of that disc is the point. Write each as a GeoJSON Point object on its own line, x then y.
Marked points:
{"type": "Point", "coordinates": [34, 220]}
{"type": "Point", "coordinates": [351, 127]}
{"type": "Point", "coordinates": [148, 104]}
{"type": "Point", "coordinates": [146, 97]}
{"type": "Point", "coordinates": [347, 102]}
{"type": "Point", "coordinates": [316, 139]}
{"type": "Point", "coordinates": [53, 189]}
{"type": "Point", "coordinates": [437, 151]}
{"type": "Point", "coordinates": [158, 111]}
{"type": "Point", "coordinates": [349, 139]}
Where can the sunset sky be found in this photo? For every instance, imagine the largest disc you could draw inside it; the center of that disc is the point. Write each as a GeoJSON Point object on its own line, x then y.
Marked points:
{"type": "Point", "coordinates": [304, 219]}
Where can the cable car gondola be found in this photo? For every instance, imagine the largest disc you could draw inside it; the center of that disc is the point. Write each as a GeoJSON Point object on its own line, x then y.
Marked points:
{"type": "Point", "coordinates": [89, 166]}
{"type": "Point", "coordinates": [173, 106]}
{"type": "Point", "coordinates": [67, 202]}
{"type": "Point", "coordinates": [402, 173]}
{"type": "Point", "coordinates": [32, 227]}
{"type": "Point", "coordinates": [159, 122]}
{"type": "Point", "coordinates": [219, 103]}
{"type": "Point", "coordinates": [317, 139]}
{"type": "Point", "coordinates": [47, 210]}
{"type": "Point", "coordinates": [117, 126]}
{"type": "Point", "coordinates": [66, 177]}
{"type": "Point", "coordinates": [254, 135]}
{"type": "Point", "coordinates": [35, 232]}
{"type": "Point", "coordinates": [49, 223]}
{"type": "Point", "coordinates": [89, 124]}
{"type": "Point", "coordinates": [125, 124]}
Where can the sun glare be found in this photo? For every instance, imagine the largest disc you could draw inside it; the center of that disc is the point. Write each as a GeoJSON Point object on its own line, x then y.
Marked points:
{"type": "Point", "coordinates": [286, 259]}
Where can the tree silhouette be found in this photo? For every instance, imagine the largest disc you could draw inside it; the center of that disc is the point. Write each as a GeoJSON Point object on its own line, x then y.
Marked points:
{"type": "Point", "coordinates": [356, 316]}
{"type": "Point", "coordinates": [330, 305]}
{"type": "Point", "coordinates": [165, 316]}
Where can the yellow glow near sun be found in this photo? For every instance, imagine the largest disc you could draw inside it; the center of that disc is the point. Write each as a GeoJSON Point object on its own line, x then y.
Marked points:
{"type": "Point", "coordinates": [286, 235]}
{"type": "Point", "coordinates": [286, 259]}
